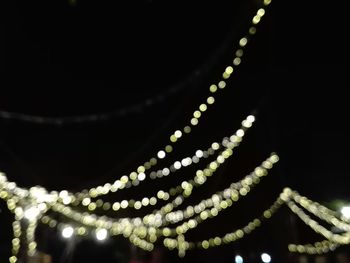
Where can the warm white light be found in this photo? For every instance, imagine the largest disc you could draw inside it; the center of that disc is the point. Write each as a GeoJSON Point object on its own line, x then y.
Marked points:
{"type": "Point", "coordinates": [238, 259]}
{"type": "Point", "coordinates": [31, 213]}
{"type": "Point", "coordinates": [101, 234]}
{"type": "Point", "coordinates": [346, 211]}
{"type": "Point", "coordinates": [266, 258]}
{"type": "Point", "coordinates": [161, 154]}
{"type": "Point", "coordinates": [67, 232]}
{"type": "Point", "coordinates": [141, 176]}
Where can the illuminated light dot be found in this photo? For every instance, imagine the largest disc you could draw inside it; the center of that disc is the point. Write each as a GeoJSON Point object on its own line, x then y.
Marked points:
{"type": "Point", "coordinates": [63, 194]}
{"type": "Point", "coordinates": [124, 204]}
{"type": "Point", "coordinates": [274, 158]}
{"type": "Point", "coordinates": [261, 12]}
{"type": "Point", "coordinates": [239, 53]}
{"type": "Point", "coordinates": [246, 124]}
{"type": "Point", "coordinates": [92, 206]}
{"type": "Point", "coordinates": [213, 165]}
{"type": "Point", "coordinates": [187, 129]}
{"type": "Point", "coordinates": [238, 259]}
{"type": "Point", "coordinates": [166, 171]}
{"type": "Point", "coordinates": [101, 234]}
{"type": "Point", "coordinates": [243, 41]}
{"type": "Point", "coordinates": [229, 70]}
{"type": "Point", "coordinates": [153, 161]}
{"type": "Point", "coordinates": [222, 84]}
{"type": "Point", "coordinates": [197, 114]}
{"type": "Point", "coordinates": [266, 258]}
{"type": "Point", "coordinates": [177, 165]}
{"type": "Point", "coordinates": [106, 206]}
{"type": "Point", "coordinates": [81, 231]}
{"type": "Point", "coordinates": [240, 133]}
{"type": "Point", "coordinates": [141, 169]}
{"type": "Point", "coordinates": [161, 154]}
{"type": "Point", "coordinates": [133, 176]}
{"type": "Point", "coordinates": [210, 100]}
{"type": "Point", "coordinates": [194, 121]}
{"type": "Point", "coordinates": [173, 138]}
{"type": "Point", "coordinates": [215, 146]}
{"type": "Point", "coordinates": [116, 206]}
{"type": "Point", "coordinates": [256, 19]}
{"type": "Point", "coordinates": [251, 118]}
{"type": "Point", "coordinates": [213, 88]}
{"type": "Point", "coordinates": [168, 148]}
{"type": "Point", "coordinates": [252, 30]}
{"type": "Point", "coordinates": [345, 211]}
{"type": "Point", "coordinates": [67, 232]}
{"type": "Point", "coordinates": [137, 205]}
{"type": "Point", "coordinates": [267, 2]}
{"type": "Point", "coordinates": [31, 213]}
{"type": "Point", "coordinates": [124, 179]}
{"type": "Point", "coordinates": [205, 244]}
{"type": "Point", "coordinates": [199, 153]}
{"type": "Point", "coordinates": [86, 201]}
{"type": "Point", "coordinates": [13, 259]}
{"type": "Point", "coordinates": [237, 61]}
{"type": "Point", "coordinates": [141, 176]}
{"type": "Point", "coordinates": [67, 200]}
{"type": "Point", "coordinates": [178, 134]}
{"type": "Point", "coordinates": [145, 201]}
{"type": "Point", "coordinates": [203, 107]}
{"type": "Point", "coordinates": [153, 201]}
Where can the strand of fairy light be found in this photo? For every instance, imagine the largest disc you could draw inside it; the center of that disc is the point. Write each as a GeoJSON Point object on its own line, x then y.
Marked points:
{"type": "Point", "coordinates": [127, 227]}
{"type": "Point", "coordinates": [194, 121]}
{"type": "Point", "coordinates": [182, 245]}
{"type": "Point", "coordinates": [185, 187]}
{"type": "Point", "coordinates": [133, 178]}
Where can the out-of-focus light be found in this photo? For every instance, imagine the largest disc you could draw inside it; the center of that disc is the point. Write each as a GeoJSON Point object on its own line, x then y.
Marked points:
{"type": "Point", "coordinates": [101, 234]}
{"type": "Point", "coordinates": [161, 154]}
{"type": "Point", "coordinates": [345, 211]}
{"type": "Point", "coordinates": [31, 213]}
{"type": "Point", "coordinates": [238, 259]}
{"type": "Point", "coordinates": [266, 258]}
{"type": "Point", "coordinates": [67, 232]}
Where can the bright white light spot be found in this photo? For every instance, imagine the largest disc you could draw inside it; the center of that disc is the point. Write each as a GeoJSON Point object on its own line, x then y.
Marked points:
{"type": "Point", "coordinates": [31, 213]}
{"type": "Point", "coordinates": [346, 211]}
{"type": "Point", "coordinates": [101, 234]}
{"type": "Point", "coordinates": [266, 258]}
{"type": "Point", "coordinates": [67, 200]}
{"type": "Point", "coordinates": [141, 176]}
{"type": "Point", "coordinates": [67, 232]}
{"type": "Point", "coordinates": [238, 259]}
{"type": "Point", "coordinates": [199, 153]}
{"type": "Point", "coordinates": [251, 118]}
{"type": "Point", "coordinates": [178, 134]}
{"type": "Point", "coordinates": [161, 154]}
{"type": "Point", "coordinates": [177, 165]}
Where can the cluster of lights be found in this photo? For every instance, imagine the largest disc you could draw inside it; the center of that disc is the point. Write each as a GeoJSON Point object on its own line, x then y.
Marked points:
{"type": "Point", "coordinates": [182, 245]}
{"type": "Point", "coordinates": [134, 177]}
{"type": "Point", "coordinates": [229, 143]}
{"type": "Point", "coordinates": [318, 248]}
{"type": "Point", "coordinates": [31, 205]}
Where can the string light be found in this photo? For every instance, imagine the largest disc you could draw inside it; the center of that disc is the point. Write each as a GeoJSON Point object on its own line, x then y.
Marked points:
{"type": "Point", "coordinates": [213, 88]}
{"type": "Point", "coordinates": [67, 232]}
{"type": "Point", "coordinates": [229, 144]}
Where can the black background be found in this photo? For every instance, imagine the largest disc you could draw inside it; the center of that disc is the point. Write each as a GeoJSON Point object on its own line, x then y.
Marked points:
{"type": "Point", "coordinates": [63, 60]}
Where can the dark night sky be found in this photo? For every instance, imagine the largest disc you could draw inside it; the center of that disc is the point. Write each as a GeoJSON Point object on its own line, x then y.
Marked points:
{"type": "Point", "coordinates": [101, 56]}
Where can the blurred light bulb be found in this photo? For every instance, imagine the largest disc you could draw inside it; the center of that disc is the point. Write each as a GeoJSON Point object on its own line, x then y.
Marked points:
{"type": "Point", "coordinates": [31, 213]}
{"type": "Point", "coordinates": [266, 258]}
{"type": "Point", "coordinates": [67, 232]}
{"type": "Point", "coordinates": [238, 259]}
{"type": "Point", "coordinates": [346, 211]}
{"type": "Point", "coordinates": [101, 234]}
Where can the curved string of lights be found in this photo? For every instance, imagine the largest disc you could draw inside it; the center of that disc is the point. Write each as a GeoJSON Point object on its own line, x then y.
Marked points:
{"type": "Point", "coordinates": [73, 213]}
